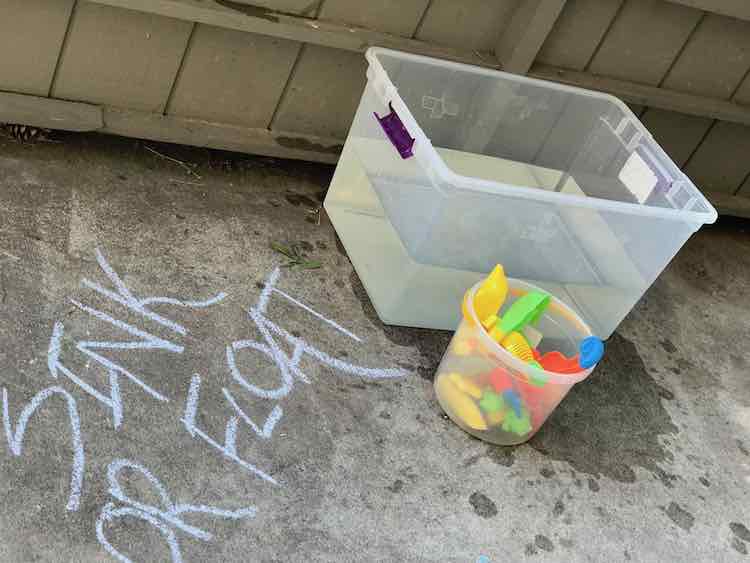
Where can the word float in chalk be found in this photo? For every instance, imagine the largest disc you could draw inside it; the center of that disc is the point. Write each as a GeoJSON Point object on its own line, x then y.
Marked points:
{"type": "Point", "coordinates": [287, 365]}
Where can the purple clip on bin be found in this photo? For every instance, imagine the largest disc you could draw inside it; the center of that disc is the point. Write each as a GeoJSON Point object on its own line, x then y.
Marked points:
{"type": "Point", "coordinates": [396, 132]}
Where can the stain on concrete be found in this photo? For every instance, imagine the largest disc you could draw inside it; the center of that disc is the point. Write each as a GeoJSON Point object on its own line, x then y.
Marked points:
{"type": "Point", "coordinates": [593, 485]}
{"type": "Point", "coordinates": [471, 460]}
{"type": "Point", "coordinates": [738, 362]}
{"type": "Point", "coordinates": [705, 482]}
{"type": "Point", "coordinates": [546, 472]}
{"type": "Point", "coordinates": [529, 549]}
{"type": "Point", "coordinates": [740, 530]}
{"type": "Point", "coordinates": [431, 344]}
{"type": "Point", "coordinates": [626, 554]}
{"type": "Point", "coordinates": [300, 199]}
{"type": "Point", "coordinates": [566, 543]}
{"type": "Point", "coordinates": [501, 455]}
{"type": "Point", "coordinates": [742, 448]}
{"type": "Point", "coordinates": [305, 246]}
{"type": "Point", "coordinates": [544, 543]}
{"type": "Point", "coordinates": [667, 479]}
{"type": "Point", "coordinates": [739, 546]}
{"type": "Point", "coordinates": [679, 516]}
{"type": "Point", "coordinates": [302, 144]}
{"type": "Point", "coordinates": [396, 486]}
{"type": "Point", "coordinates": [668, 346]}
{"type": "Point", "coordinates": [599, 441]}
{"type": "Point", "coordinates": [682, 364]}
{"type": "Point", "coordinates": [482, 505]}
{"type": "Point", "coordinates": [322, 246]}
{"type": "Point", "coordinates": [665, 394]}
{"type": "Point", "coordinates": [558, 509]}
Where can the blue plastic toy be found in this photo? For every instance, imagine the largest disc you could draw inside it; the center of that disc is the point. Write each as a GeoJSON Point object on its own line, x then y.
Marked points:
{"type": "Point", "coordinates": [590, 351]}
{"type": "Point", "coordinates": [513, 400]}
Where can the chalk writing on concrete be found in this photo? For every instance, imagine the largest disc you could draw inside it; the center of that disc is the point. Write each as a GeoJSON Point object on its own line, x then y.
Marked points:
{"type": "Point", "coordinates": [229, 448]}
{"type": "Point", "coordinates": [166, 519]}
{"type": "Point", "coordinates": [288, 367]}
{"type": "Point", "coordinates": [169, 518]}
{"type": "Point", "coordinates": [144, 340]}
{"type": "Point", "coordinates": [15, 439]}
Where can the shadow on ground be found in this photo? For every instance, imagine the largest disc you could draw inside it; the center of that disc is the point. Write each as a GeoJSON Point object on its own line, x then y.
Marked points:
{"type": "Point", "coordinates": [611, 424]}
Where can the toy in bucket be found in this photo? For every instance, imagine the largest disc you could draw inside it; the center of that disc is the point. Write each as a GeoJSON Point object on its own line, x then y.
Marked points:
{"type": "Point", "coordinates": [515, 355]}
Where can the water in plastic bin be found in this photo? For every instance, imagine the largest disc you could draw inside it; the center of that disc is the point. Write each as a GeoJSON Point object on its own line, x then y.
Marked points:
{"type": "Point", "coordinates": [408, 292]}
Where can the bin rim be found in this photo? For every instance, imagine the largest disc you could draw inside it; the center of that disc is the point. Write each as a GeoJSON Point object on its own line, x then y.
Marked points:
{"type": "Point", "coordinates": [426, 154]}
{"type": "Point", "coordinates": [518, 288]}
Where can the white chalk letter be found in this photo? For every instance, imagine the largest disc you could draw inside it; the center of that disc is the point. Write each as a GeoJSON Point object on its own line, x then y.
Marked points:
{"type": "Point", "coordinates": [15, 439]}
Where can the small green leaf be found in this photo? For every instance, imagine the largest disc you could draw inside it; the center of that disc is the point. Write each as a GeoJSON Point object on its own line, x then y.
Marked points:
{"type": "Point", "coordinates": [285, 250]}
{"type": "Point", "coordinates": [310, 265]}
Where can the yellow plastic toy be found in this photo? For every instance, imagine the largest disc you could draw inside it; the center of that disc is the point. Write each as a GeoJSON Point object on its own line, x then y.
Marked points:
{"type": "Point", "coordinates": [516, 344]}
{"type": "Point", "coordinates": [490, 321]}
{"type": "Point", "coordinates": [466, 385]}
{"type": "Point", "coordinates": [464, 347]}
{"type": "Point", "coordinates": [460, 404]}
{"type": "Point", "coordinates": [490, 296]}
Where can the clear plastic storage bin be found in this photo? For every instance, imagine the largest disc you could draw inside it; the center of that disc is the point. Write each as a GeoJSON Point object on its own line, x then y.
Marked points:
{"type": "Point", "coordinates": [449, 169]}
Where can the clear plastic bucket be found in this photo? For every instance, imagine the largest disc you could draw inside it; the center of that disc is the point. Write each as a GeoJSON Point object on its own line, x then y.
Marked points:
{"type": "Point", "coordinates": [495, 396]}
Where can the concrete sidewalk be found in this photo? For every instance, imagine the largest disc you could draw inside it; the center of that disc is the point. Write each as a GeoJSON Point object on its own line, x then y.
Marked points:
{"type": "Point", "coordinates": [321, 459]}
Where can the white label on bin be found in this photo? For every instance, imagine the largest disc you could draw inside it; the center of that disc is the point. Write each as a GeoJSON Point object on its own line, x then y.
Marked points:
{"type": "Point", "coordinates": [638, 177]}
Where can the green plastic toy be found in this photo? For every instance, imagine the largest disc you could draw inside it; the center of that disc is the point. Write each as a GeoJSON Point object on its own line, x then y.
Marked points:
{"type": "Point", "coordinates": [491, 402]}
{"type": "Point", "coordinates": [520, 425]}
{"type": "Point", "coordinates": [538, 377]}
{"type": "Point", "coordinates": [525, 310]}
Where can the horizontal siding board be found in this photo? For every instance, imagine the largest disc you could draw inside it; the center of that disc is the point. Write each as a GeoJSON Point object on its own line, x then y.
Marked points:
{"type": "Point", "coordinates": [717, 38]}
{"type": "Point", "coordinates": [644, 40]}
{"type": "Point", "coordinates": [323, 93]}
{"type": "Point", "coordinates": [44, 112]}
{"type": "Point", "coordinates": [31, 36]}
{"type": "Point", "coordinates": [715, 60]}
{"type": "Point", "coordinates": [677, 133]}
{"type": "Point", "coordinates": [399, 17]}
{"type": "Point", "coordinates": [577, 33]}
{"type": "Point", "coordinates": [121, 57]}
{"type": "Point", "coordinates": [727, 204]}
{"type": "Point", "coordinates": [734, 8]}
{"type": "Point", "coordinates": [202, 133]}
{"type": "Point", "coordinates": [745, 191]}
{"type": "Point", "coordinates": [469, 24]}
{"type": "Point", "coordinates": [301, 7]}
{"type": "Point", "coordinates": [240, 17]}
{"type": "Point", "coordinates": [525, 33]}
{"type": "Point", "coordinates": [232, 77]}
{"type": "Point", "coordinates": [722, 161]}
